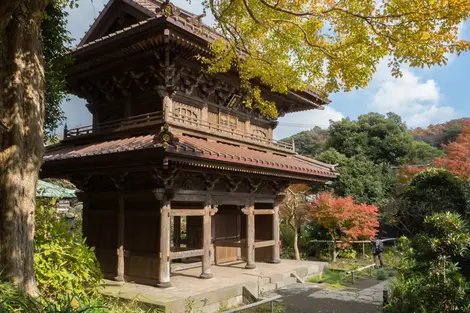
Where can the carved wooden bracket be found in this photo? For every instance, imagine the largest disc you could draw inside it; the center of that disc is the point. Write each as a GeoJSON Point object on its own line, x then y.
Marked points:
{"type": "Point", "coordinates": [209, 181]}
{"type": "Point", "coordinates": [168, 176]}
{"type": "Point", "coordinates": [253, 185]}
{"type": "Point", "coordinates": [82, 182]}
{"type": "Point", "coordinates": [233, 183]}
{"type": "Point", "coordinates": [248, 210]}
{"type": "Point", "coordinates": [119, 180]}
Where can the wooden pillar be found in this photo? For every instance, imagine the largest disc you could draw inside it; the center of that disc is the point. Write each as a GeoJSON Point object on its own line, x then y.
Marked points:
{"type": "Point", "coordinates": [207, 238]}
{"type": "Point", "coordinates": [250, 236]}
{"type": "Point", "coordinates": [120, 240]}
{"type": "Point", "coordinates": [167, 107]}
{"type": "Point", "coordinates": [177, 231]}
{"type": "Point", "coordinates": [164, 268]}
{"type": "Point", "coordinates": [276, 253]}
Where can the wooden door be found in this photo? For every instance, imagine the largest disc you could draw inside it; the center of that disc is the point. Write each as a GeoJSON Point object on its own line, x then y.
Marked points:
{"type": "Point", "coordinates": [227, 228]}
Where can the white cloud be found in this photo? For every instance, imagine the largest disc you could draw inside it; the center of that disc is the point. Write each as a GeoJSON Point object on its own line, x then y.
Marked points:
{"type": "Point", "coordinates": [418, 101]}
{"type": "Point", "coordinates": [295, 122]}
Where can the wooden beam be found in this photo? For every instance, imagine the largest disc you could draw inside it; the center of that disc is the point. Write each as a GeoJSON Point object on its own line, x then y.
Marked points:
{"type": "Point", "coordinates": [186, 254]}
{"type": "Point", "coordinates": [191, 212]}
{"type": "Point", "coordinates": [140, 254]}
{"type": "Point", "coordinates": [183, 267]}
{"type": "Point", "coordinates": [187, 212]}
{"type": "Point", "coordinates": [263, 212]}
{"type": "Point", "coordinates": [120, 240]}
{"type": "Point", "coordinates": [230, 243]}
{"type": "Point", "coordinates": [266, 243]}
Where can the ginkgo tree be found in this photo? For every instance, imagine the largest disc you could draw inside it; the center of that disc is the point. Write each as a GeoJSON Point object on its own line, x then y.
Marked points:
{"type": "Point", "coordinates": [328, 46]}
{"type": "Point", "coordinates": [344, 219]}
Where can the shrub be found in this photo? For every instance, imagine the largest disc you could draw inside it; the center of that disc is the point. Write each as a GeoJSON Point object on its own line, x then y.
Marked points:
{"type": "Point", "coordinates": [348, 253]}
{"type": "Point", "coordinates": [63, 263]}
{"type": "Point", "coordinates": [381, 275]}
{"type": "Point", "coordinates": [13, 300]}
{"type": "Point", "coordinates": [432, 191]}
{"type": "Point", "coordinates": [430, 279]}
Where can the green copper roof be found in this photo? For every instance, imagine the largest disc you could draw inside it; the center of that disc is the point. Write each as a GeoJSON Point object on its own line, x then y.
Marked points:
{"type": "Point", "coordinates": [48, 190]}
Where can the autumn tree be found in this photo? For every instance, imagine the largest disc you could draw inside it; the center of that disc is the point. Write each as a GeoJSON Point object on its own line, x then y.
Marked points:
{"type": "Point", "coordinates": [457, 159]}
{"type": "Point", "coordinates": [294, 209]}
{"type": "Point", "coordinates": [344, 219]}
{"type": "Point", "coordinates": [327, 46]}
{"type": "Point", "coordinates": [302, 45]}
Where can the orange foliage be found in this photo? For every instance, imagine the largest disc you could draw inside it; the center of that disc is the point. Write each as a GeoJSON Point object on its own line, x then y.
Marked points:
{"type": "Point", "coordinates": [407, 172]}
{"type": "Point", "coordinates": [457, 159]}
{"type": "Point", "coordinates": [345, 219]}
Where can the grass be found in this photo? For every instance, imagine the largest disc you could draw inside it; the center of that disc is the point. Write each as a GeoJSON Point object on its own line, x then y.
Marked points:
{"type": "Point", "coordinates": [330, 277]}
{"type": "Point", "coordinates": [336, 276]}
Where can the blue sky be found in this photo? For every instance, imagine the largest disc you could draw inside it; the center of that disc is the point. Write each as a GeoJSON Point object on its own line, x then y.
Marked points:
{"type": "Point", "coordinates": [421, 96]}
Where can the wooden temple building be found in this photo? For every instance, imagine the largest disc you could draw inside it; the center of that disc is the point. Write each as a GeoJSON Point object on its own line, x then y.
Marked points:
{"type": "Point", "coordinates": [174, 167]}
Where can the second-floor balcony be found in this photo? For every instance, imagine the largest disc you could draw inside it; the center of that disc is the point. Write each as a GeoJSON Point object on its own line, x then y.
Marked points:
{"type": "Point", "coordinates": [138, 123]}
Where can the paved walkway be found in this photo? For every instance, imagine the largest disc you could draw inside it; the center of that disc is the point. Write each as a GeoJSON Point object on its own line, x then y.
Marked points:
{"type": "Point", "coordinates": [310, 298]}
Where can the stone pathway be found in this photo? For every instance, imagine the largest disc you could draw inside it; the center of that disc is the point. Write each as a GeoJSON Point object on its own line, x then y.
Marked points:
{"type": "Point", "coordinates": [313, 298]}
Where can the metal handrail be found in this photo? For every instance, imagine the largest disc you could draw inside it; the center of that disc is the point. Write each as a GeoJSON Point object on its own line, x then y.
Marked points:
{"type": "Point", "coordinates": [255, 304]}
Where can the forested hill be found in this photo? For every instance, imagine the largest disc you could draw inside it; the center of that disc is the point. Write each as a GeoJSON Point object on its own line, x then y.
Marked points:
{"type": "Point", "coordinates": [439, 134]}
{"type": "Point", "coordinates": [312, 142]}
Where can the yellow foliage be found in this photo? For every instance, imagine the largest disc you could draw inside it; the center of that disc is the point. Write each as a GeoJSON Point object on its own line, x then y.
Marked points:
{"type": "Point", "coordinates": [328, 46]}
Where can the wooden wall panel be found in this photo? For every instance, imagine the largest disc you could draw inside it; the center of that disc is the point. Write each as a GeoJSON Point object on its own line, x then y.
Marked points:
{"type": "Point", "coordinates": [102, 231]}
{"type": "Point", "coordinates": [141, 236]}
{"type": "Point", "coordinates": [227, 227]}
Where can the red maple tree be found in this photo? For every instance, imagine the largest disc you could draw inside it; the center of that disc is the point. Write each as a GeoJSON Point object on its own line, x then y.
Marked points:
{"type": "Point", "coordinates": [344, 219]}
{"type": "Point", "coordinates": [457, 159]}
{"type": "Point", "coordinates": [406, 172]}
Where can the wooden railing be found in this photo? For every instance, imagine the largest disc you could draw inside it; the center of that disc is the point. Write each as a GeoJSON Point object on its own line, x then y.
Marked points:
{"type": "Point", "coordinates": [224, 130]}
{"type": "Point", "coordinates": [155, 118]}
{"type": "Point", "coordinates": [136, 121]}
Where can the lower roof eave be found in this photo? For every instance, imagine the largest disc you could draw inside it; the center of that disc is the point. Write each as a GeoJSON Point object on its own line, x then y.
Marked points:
{"type": "Point", "coordinates": [256, 170]}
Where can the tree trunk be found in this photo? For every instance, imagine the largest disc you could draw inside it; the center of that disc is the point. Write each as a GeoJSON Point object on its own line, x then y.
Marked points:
{"type": "Point", "coordinates": [21, 147]}
{"type": "Point", "coordinates": [296, 244]}
{"type": "Point", "coordinates": [335, 251]}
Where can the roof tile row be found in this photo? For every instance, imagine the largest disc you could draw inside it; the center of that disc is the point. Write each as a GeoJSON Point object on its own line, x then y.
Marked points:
{"type": "Point", "coordinates": [199, 148]}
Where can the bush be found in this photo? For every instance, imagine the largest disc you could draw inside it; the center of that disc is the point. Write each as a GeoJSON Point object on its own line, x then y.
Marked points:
{"type": "Point", "coordinates": [381, 275]}
{"type": "Point", "coordinates": [430, 279]}
{"type": "Point", "coordinates": [432, 191]}
{"type": "Point", "coordinates": [63, 262]}
{"type": "Point", "coordinates": [348, 253]}
{"type": "Point", "coordinates": [13, 300]}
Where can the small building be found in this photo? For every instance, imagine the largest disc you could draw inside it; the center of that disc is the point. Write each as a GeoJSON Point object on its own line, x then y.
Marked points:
{"type": "Point", "coordinates": [46, 190]}
{"type": "Point", "coordinates": [171, 143]}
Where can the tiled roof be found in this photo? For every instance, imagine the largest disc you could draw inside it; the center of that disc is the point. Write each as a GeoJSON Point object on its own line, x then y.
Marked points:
{"type": "Point", "coordinates": [197, 149]}
{"type": "Point", "coordinates": [48, 190]}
